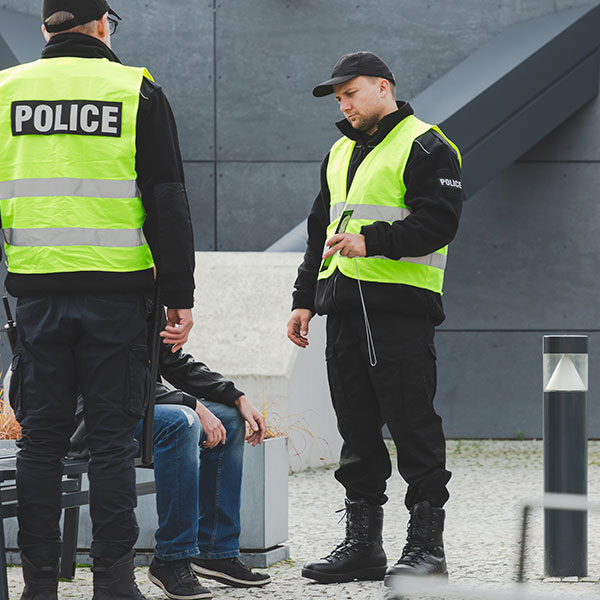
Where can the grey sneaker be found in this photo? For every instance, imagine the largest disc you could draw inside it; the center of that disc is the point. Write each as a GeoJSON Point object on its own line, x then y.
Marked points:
{"type": "Point", "coordinates": [230, 571]}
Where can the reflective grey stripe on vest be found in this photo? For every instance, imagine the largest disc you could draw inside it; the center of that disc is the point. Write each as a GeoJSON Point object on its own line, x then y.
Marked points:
{"type": "Point", "coordinates": [435, 259]}
{"type": "Point", "coordinates": [374, 212]}
{"type": "Point", "coordinates": [63, 186]}
{"type": "Point", "coordinates": [75, 236]}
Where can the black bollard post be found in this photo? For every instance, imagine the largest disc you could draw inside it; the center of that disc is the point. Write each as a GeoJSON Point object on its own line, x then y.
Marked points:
{"type": "Point", "coordinates": [565, 381]}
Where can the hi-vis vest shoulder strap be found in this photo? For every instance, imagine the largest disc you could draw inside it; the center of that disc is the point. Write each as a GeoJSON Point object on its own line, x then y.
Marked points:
{"type": "Point", "coordinates": [377, 194]}
{"type": "Point", "coordinates": [69, 198]}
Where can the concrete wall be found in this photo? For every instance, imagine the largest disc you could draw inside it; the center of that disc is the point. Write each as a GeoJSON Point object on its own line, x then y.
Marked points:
{"type": "Point", "coordinates": [525, 263]}
{"type": "Point", "coordinates": [239, 75]}
{"type": "Point", "coordinates": [242, 307]}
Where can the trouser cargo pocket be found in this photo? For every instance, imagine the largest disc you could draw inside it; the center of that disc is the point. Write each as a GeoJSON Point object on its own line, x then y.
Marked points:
{"type": "Point", "coordinates": [15, 391]}
{"type": "Point", "coordinates": [138, 380]}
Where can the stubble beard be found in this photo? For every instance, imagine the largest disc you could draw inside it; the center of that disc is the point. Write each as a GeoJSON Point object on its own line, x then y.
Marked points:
{"type": "Point", "coordinates": [366, 124]}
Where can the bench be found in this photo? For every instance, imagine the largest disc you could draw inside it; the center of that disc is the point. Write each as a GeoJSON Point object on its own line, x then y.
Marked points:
{"type": "Point", "coordinates": [72, 498]}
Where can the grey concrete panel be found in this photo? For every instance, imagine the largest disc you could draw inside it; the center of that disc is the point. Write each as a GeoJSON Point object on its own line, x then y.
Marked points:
{"type": "Point", "coordinates": [22, 34]}
{"type": "Point", "coordinates": [268, 62]}
{"type": "Point", "coordinates": [258, 201]}
{"type": "Point", "coordinates": [7, 58]}
{"type": "Point", "coordinates": [200, 185]}
{"type": "Point", "coordinates": [176, 44]}
{"type": "Point", "coordinates": [490, 384]}
{"type": "Point", "coordinates": [575, 140]}
{"type": "Point", "coordinates": [526, 255]}
{"type": "Point", "coordinates": [30, 7]}
{"type": "Point", "coordinates": [502, 76]}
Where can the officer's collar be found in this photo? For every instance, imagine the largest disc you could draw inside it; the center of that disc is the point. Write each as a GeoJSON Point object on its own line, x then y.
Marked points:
{"type": "Point", "coordinates": [383, 127]}
{"type": "Point", "coordinates": [78, 45]}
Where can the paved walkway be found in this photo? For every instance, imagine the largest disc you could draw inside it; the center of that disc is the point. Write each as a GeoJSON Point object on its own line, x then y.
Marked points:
{"type": "Point", "coordinates": [490, 481]}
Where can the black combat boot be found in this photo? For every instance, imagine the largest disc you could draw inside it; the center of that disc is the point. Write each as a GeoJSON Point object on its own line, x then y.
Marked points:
{"type": "Point", "coordinates": [114, 580]}
{"type": "Point", "coordinates": [423, 553]}
{"type": "Point", "coordinates": [360, 555]}
{"type": "Point", "coordinates": [41, 579]}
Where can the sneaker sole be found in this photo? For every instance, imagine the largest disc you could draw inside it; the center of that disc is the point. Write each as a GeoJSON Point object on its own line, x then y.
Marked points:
{"type": "Point", "coordinates": [228, 579]}
{"type": "Point", "coordinates": [390, 578]}
{"type": "Point", "coordinates": [158, 582]}
{"type": "Point", "coordinates": [373, 574]}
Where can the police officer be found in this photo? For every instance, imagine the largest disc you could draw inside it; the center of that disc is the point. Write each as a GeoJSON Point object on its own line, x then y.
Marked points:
{"type": "Point", "coordinates": [389, 204]}
{"type": "Point", "coordinates": [92, 198]}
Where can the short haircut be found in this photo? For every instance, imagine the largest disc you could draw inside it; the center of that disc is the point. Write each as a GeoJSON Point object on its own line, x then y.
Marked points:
{"type": "Point", "coordinates": [63, 16]}
{"type": "Point", "coordinates": [375, 78]}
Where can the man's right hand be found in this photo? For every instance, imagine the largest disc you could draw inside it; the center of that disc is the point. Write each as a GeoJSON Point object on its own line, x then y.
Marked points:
{"type": "Point", "coordinates": [297, 327]}
{"type": "Point", "coordinates": [179, 325]}
{"type": "Point", "coordinates": [212, 427]}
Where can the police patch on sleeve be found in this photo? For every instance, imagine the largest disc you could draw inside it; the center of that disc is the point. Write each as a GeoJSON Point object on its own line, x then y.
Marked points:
{"type": "Point", "coordinates": [74, 117]}
{"type": "Point", "coordinates": [451, 183]}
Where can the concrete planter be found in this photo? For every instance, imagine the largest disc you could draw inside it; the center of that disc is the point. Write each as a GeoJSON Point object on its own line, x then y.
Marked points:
{"type": "Point", "coordinates": [265, 495]}
{"type": "Point", "coordinates": [264, 514]}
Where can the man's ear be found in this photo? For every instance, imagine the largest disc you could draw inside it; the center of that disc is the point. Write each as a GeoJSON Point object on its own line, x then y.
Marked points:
{"type": "Point", "coordinates": [45, 33]}
{"type": "Point", "coordinates": [103, 26]}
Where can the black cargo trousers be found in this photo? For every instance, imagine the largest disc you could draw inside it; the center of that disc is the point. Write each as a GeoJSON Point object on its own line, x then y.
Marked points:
{"type": "Point", "coordinates": [67, 343]}
{"type": "Point", "coordinates": [399, 392]}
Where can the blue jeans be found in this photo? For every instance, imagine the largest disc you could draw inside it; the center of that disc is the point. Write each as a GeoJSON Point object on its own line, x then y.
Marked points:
{"type": "Point", "coordinates": [198, 491]}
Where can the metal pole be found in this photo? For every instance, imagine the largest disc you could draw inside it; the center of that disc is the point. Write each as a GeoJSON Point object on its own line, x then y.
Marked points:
{"type": "Point", "coordinates": [148, 426]}
{"type": "Point", "coordinates": [565, 452]}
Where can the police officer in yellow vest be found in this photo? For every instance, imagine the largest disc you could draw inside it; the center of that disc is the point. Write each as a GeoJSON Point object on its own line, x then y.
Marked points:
{"type": "Point", "coordinates": [92, 199]}
{"type": "Point", "coordinates": [378, 236]}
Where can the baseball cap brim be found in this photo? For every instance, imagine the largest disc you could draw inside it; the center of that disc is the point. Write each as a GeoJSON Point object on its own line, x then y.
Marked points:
{"type": "Point", "coordinates": [114, 14]}
{"type": "Point", "coordinates": [326, 88]}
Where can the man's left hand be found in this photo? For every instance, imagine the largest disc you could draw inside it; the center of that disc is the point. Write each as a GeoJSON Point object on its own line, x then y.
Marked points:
{"type": "Point", "coordinates": [254, 418]}
{"type": "Point", "coordinates": [348, 244]}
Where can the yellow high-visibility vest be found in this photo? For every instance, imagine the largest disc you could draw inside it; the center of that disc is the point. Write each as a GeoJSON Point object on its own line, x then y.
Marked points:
{"type": "Point", "coordinates": [69, 198]}
{"type": "Point", "coordinates": [377, 194]}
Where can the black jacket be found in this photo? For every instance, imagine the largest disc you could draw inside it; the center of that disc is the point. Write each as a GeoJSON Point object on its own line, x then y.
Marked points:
{"type": "Point", "coordinates": [168, 226]}
{"type": "Point", "coordinates": [191, 380]}
{"type": "Point", "coordinates": [432, 180]}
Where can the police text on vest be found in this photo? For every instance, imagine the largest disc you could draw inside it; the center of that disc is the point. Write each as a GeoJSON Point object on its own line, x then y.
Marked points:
{"type": "Point", "coordinates": [71, 117]}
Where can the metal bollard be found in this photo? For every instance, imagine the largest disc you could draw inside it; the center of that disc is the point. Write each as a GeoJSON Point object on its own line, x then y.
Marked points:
{"type": "Point", "coordinates": [565, 379]}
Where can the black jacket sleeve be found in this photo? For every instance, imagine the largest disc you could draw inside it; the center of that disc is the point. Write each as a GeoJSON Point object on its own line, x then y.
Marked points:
{"type": "Point", "coordinates": [434, 195]}
{"type": "Point", "coordinates": [195, 378]}
{"type": "Point", "coordinates": [317, 223]}
{"type": "Point", "coordinates": [165, 395]}
{"type": "Point", "coordinates": [168, 226]}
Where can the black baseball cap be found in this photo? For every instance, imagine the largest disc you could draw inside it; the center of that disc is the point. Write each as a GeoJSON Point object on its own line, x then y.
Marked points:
{"type": "Point", "coordinates": [352, 65]}
{"type": "Point", "coordinates": [84, 11]}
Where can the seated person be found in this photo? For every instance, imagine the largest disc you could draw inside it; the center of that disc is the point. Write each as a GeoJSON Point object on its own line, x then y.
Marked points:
{"type": "Point", "coordinates": [199, 431]}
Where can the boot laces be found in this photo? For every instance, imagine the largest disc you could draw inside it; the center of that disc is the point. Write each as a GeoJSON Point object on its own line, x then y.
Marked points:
{"type": "Point", "coordinates": [184, 572]}
{"type": "Point", "coordinates": [357, 530]}
{"type": "Point", "coordinates": [420, 541]}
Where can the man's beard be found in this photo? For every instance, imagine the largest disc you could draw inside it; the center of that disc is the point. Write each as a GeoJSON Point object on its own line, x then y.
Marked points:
{"type": "Point", "coordinates": [367, 124]}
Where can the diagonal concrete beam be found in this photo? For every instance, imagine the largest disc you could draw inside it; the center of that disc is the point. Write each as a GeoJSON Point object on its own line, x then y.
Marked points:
{"type": "Point", "coordinates": [508, 95]}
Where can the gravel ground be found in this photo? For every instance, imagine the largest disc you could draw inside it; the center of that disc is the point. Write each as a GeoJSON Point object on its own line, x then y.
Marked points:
{"type": "Point", "coordinates": [490, 481]}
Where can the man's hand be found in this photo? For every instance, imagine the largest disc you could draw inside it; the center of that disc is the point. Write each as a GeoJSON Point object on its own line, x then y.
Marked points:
{"type": "Point", "coordinates": [297, 327]}
{"type": "Point", "coordinates": [179, 325]}
{"type": "Point", "coordinates": [348, 244]}
{"type": "Point", "coordinates": [255, 420]}
{"type": "Point", "coordinates": [212, 427]}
